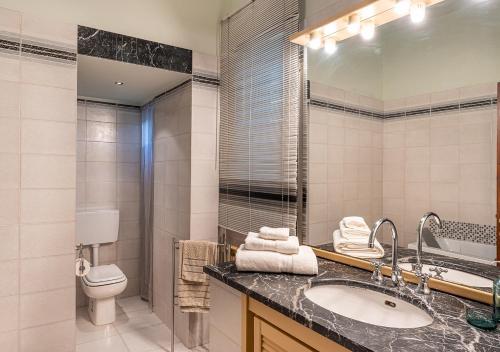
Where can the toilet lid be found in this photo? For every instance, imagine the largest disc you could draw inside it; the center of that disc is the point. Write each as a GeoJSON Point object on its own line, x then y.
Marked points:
{"type": "Point", "coordinates": [104, 274]}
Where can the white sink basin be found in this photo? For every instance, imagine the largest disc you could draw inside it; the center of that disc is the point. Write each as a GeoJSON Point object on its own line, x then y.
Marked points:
{"type": "Point", "coordinates": [368, 306]}
{"type": "Point", "coordinates": [456, 276]}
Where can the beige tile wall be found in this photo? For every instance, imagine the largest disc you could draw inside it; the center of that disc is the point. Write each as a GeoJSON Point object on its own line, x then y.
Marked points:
{"type": "Point", "coordinates": [186, 187]}
{"type": "Point", "coordinates": [37, 189]}
{"type": "Point", "coordinates": [345, 163]}
{"type": "Point", "coordinates": [172, 169]}
{"type": "Point", "coordinates": [108, 177]}
{"type": "Point", "coordinates": [443, 162]}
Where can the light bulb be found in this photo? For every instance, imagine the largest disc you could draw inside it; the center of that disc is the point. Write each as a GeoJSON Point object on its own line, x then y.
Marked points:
{"type": "Point", "coordinates": [315, 41]}
{"type": "Point", "coordinates": [417, 11]}
{"type": "Point", "coordinates": [368, 30]}
{"type": "Point", "coordinates": [402, 7]}
{"type": "Point", "coordinates": [329, 29]}
{"type": "Point", "coordinates": [353, 25]}
{"type": "Point", "coordinates": [330, 46]}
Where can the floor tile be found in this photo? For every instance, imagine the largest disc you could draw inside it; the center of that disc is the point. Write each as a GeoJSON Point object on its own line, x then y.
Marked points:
{"type": "Point", "coordinates": [110, 344]}
{"type": "Point", "coordinates": [135, 320]}
{"type": "Point", "coordinates": [148, 339]}
{"type": "Point", "coordinates": [131, 304]}
{"type": "Point", "coordinates": [86, 331]}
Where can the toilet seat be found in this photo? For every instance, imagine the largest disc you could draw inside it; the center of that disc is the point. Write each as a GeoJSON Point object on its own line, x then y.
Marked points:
{"type": "Point", "coordinates": [103, 275]}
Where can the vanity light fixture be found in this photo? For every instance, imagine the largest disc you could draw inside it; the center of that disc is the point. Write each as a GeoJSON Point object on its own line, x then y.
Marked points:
{"type": "Point", "coordinates": [402, 7]}
{"type": "Point", "coordinates": [361, 19]}
{"type": "Point", "coordinates": [417, 11]}
{"type": "Point", "coordinates": [329, 29]}
{"type": "Point", "coordinates": [354, 24]}
{"type": "Point", "coordinates": [315, 40]}
{"type": "Point", "coordinates": [368, 30]}
{"type": "Point", "coordinates": [330, 46]}
{"type": "Point", "coordinates": [118, 83]}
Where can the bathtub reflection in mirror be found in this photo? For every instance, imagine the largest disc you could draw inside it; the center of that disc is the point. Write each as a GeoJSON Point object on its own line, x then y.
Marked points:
{"type": "Point", "coordinates": [404, 124]}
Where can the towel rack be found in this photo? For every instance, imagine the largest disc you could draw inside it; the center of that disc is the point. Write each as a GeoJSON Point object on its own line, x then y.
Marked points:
{"type": "Point", "coordinates": [221, 256]}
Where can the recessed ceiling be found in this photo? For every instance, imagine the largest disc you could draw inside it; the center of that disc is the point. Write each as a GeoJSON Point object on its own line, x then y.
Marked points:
{"type": "Point", "coordinates": [97, 77]}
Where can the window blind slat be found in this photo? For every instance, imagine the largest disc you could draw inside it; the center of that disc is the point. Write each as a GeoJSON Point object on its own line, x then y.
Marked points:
{"type": "Point", "coordinates": [261, 104]}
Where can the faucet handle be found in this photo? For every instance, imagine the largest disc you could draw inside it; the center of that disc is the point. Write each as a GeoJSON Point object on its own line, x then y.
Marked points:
{"type": "Point", "coordinates": [377, 272]}
{"type": "Point", "coordinates": [423, 284]}
{"type": "Point", "coordinates": [417, 268]}
{"type": "Point", "coordinates": [438, 272]}
{"type": "Point", "coordinates": [399, 276]}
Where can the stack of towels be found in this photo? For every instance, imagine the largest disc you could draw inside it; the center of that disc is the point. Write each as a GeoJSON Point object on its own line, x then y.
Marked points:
{"type": "Point", "coordinates": [352, 239]}
{"type": "Point", "coordinates": [273, 250]}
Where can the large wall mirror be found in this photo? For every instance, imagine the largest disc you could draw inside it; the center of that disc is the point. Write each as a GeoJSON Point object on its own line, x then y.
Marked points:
{"type": "Point", "coordinates": [405, 123]}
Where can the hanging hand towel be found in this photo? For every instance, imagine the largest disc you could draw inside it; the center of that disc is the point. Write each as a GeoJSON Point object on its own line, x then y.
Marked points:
{"type": "Point", "coordinates": [304, 263]}
{"type": "Point", "coordinates": [254, 243]}
{"type": "Point", "coordinates": [276, 233]}
{"type": "Point", "coordinates": [356, 247]}
{"type": "Point", "coordinates": [192, 284]}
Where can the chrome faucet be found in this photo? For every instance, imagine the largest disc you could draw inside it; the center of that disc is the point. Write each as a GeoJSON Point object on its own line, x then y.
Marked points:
{"type": "Point", "coordinates": [418, 266]}
{"type": "Point", "coordinates": [396, 276]}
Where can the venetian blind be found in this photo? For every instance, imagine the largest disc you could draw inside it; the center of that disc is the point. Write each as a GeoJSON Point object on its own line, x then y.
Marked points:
{"type": "Point", "coordinates": [261, 96]}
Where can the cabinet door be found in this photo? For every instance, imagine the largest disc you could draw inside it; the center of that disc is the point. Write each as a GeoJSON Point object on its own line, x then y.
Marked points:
{"type": "Point", "coordinates": [269, 339]}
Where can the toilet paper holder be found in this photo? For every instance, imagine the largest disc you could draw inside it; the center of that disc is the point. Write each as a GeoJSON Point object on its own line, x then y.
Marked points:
{"type": "Point", "coordinates": [79, 248]}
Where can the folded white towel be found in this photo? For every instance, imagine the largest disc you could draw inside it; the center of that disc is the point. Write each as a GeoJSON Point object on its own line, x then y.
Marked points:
{"type": "Point", "coordinates": [355, 222]}
{"type": "Point", "coordinates": [350, 233]}
{"type": "Point", "coordinates": [304, 263]}
{"type": "Point", "coordinates": [254, 243]}
{"type": "Point", "coordinates": [274, 233]}
{"type": "Point", "coordinates": [356, 247]}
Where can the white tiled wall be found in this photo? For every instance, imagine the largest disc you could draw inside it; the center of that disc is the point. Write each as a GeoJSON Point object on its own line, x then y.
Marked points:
{"type": "Point", "coordinates": [345, 163]}
{"type": "Point", "coordinates": [37, 189]}
{"type": "Point", "coordinates": [108, 177]}
{"type": "Point", "coordinates": [445, 162]}
{"type": "Point", "coordinates": [186, 186]}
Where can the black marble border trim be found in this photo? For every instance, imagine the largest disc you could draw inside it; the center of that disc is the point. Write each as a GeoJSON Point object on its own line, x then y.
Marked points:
{"type": "Point", "coordinates": [465, 105]}
{"type": "Point", "coordinates": [109, 104]}
{"type": "Point", "coordinates": [118, 47]}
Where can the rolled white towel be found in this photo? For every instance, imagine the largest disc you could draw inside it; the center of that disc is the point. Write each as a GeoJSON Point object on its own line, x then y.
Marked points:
{"type": "Point", "coordinates": [303, 263]}
{"type": "Point", "coordinates": [349, 233]}
{"type": "Point", "coordinates": [356, 247]}
{"type": "Point", "coordinates": [274, 233]}
{"type": "Point", "coordinates": [254, 243]}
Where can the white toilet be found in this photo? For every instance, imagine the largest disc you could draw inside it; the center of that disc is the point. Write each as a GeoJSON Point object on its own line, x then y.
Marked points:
{"type": "Point", "coordinates": [103, 282]}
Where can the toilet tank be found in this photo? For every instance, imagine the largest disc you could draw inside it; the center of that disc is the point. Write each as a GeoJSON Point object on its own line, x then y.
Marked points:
{"type": "Point", "coordinates": [97, 226]}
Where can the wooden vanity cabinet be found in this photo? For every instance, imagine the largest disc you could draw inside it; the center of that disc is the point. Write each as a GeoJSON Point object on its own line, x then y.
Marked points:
{"type": "Point", "coordinates": [266, 330]}
{"type": "Point", "coordinates": [239, 323]}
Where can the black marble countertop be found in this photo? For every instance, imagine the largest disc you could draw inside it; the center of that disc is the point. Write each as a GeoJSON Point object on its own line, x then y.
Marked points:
{"type": "Point", "coordinates": [407, 255]}
{"type": "Point", "coordinates": [285, 294]}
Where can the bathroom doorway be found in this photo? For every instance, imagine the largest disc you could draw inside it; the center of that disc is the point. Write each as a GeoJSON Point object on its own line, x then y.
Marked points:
{"type": "Point", "coordinates": [117, 101]}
